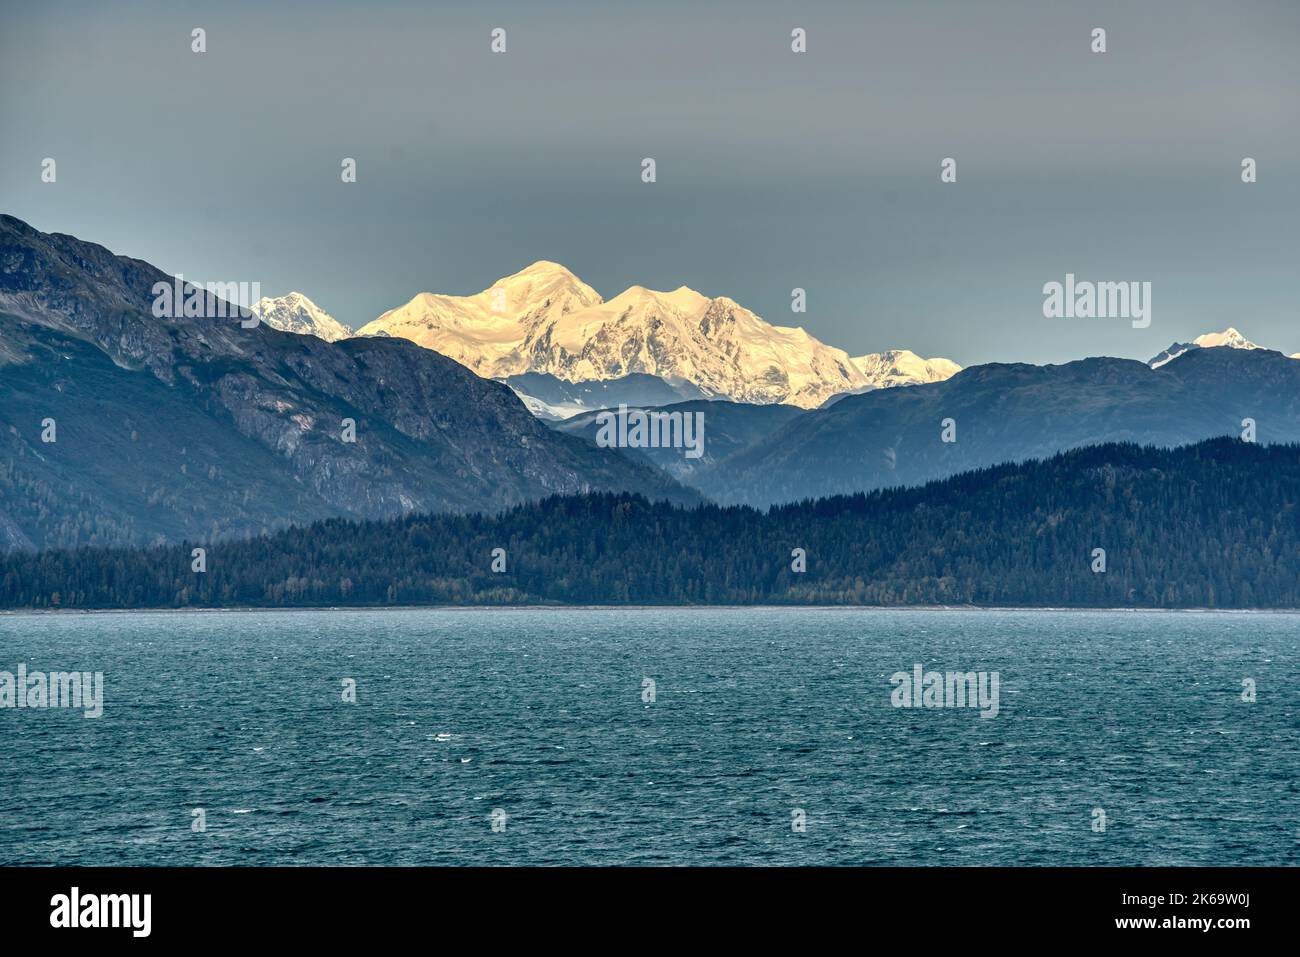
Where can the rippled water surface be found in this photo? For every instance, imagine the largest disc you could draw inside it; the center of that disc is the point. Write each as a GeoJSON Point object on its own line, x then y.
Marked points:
{"type": "Point", "coordinates": [757, 712]}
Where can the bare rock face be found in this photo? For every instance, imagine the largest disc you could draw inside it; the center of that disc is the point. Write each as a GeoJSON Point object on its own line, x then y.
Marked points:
{"type": "Point", "coordinates": [199, 427]}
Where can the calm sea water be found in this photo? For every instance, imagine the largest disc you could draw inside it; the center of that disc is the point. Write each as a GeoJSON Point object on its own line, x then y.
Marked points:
{"type": "Point", "coordinates": [540, 713]}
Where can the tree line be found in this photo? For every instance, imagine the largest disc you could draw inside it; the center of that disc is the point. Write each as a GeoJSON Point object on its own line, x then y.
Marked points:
{"type": "Point", "coordinates": [1207, 525]}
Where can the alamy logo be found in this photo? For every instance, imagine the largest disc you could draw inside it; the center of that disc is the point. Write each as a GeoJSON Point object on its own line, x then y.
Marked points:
{"type": "Point", "coordinates": [640, 429]}
{"type": "Point", "coordinates": [214, 300]}
{"type": "Point", "coordinates": [946, 689]}
{"type": "Point", "coordinates": [58, 689]}
{"type": "Point", "coordinates": [103, 910]}
{"type": "Point", "coordinates": [1098, 300]}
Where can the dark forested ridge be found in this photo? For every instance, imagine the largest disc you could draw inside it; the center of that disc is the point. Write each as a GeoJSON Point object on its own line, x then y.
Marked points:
{"type": "Point", "coordinates": [1208, 525]}
{"type": "Point", "coordinates": [1009, 412]}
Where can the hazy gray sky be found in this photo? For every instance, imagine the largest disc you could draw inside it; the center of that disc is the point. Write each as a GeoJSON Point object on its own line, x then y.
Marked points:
{"type": "Point", "coordinates": [775, 169]}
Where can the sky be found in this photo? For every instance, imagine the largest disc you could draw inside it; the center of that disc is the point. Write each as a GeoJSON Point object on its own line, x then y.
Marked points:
{"type": "Point", "coordinates": [775, 170]}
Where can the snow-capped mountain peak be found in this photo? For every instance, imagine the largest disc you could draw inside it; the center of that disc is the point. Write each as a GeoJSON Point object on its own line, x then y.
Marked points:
{"type": "Point", "coordinates": [715, 343]}
{"type": "Point", "coordinates": [544, 319]}
{"type": "Point", "coordinates": [485, 331]}
{"type": "Point", "coordinates": [536, 283]}
{"type": "Point", "coordinates": [545, 268]}
{"type": "Point", "coordinates": [1229, 338]}
{"type": "Point", "coordinates": [298, 314]}
{"type": "Point", "coordinates": [896, 367]}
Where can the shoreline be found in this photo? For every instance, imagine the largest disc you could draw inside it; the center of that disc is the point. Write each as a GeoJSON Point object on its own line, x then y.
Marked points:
{"type": "Point", "coordinates": [253, 609]}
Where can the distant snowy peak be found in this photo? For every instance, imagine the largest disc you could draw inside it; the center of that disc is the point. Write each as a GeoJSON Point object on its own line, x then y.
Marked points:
{"type": "Point", "coordinates": [884, 370]}
{"type": "Point", "coordinates": [486, 331]}
{"type": "Point", "coordinates": [298, 314]}
{"type": "Point", "coordinates": [714, 343]}
{"type": "Point", "coordinates": [545, 320]}
{"type": "Point", "coordinates": [543, 282]}
{"type": "Point", "coordinates": [1229, 338]}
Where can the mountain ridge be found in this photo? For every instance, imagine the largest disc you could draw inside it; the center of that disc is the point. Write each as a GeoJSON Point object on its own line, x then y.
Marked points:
{"type": "Point", "coordinates": [294, 312]}
{"type": "Point", "coordinates": [426, 432]}
{"type": "Point", "coordinates": [1007, 412]}
{"type": "Point", "coordinates": [1230, 338]}
{"type": "Point", "coordinates": [1211, 525]}
{"type": "Point", "coordinates": [545, 320]}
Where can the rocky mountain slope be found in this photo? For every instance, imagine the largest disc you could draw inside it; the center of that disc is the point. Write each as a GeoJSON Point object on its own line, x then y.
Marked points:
{"type": "Point", "coordinates": [175, 427]}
